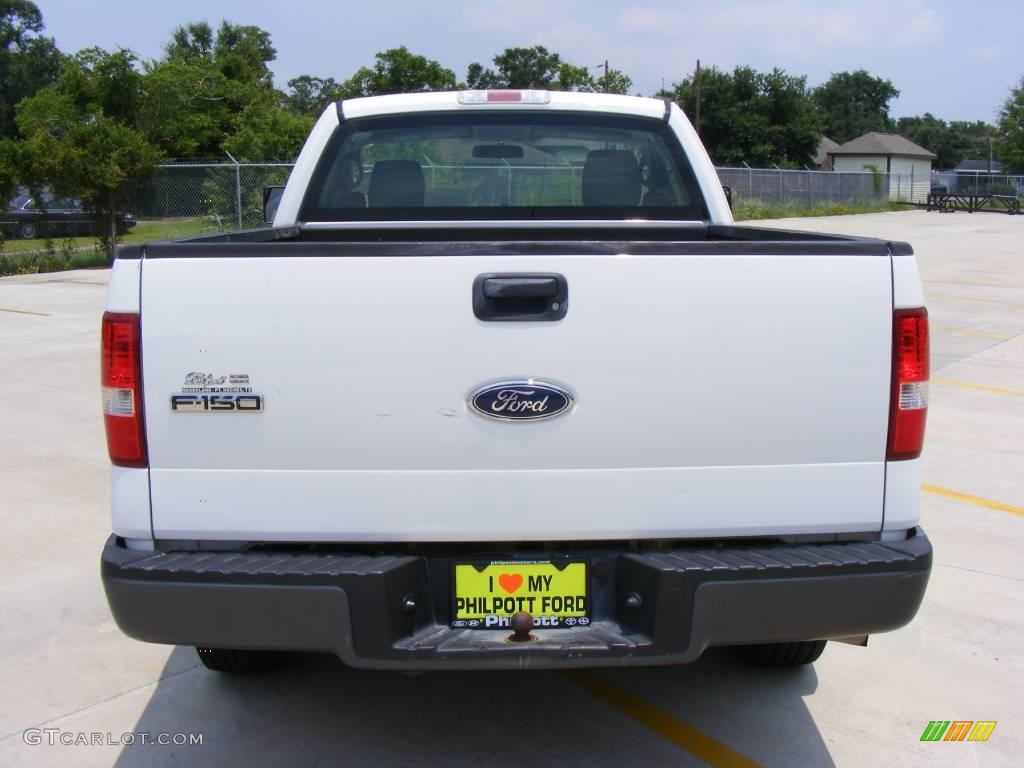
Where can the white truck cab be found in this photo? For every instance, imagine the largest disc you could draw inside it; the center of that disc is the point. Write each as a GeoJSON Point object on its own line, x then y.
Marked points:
{"type": "Point", "coordinates": [504, 386]}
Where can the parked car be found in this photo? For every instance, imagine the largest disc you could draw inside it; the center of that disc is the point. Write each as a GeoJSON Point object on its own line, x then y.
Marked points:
{"type": "Point", "coordinates": [492, 412]}
{"type": "Point", "coordinates": [27, 218]}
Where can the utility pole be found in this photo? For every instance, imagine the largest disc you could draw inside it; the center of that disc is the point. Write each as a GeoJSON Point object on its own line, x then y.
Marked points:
{"type": "Point", "coordinates": [605, 65]}
{"type": "Point", "coordinates": [696, 93]}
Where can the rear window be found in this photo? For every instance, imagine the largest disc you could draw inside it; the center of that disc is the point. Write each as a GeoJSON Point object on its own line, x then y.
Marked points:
{"type": "Point", "coordinates": [487, 165]}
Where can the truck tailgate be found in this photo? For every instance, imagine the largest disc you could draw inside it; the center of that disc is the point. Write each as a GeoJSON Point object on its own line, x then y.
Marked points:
{"type": "Point", "coordinates": [715, 395]}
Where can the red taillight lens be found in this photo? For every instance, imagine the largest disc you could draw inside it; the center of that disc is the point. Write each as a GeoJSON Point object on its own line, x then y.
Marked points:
{"type": "Point", "coordinates": [908, 407]}
{"type": "Point", "coordinates": [121, 379]}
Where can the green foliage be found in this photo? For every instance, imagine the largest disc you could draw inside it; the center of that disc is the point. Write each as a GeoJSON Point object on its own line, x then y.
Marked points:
{"type": "Point", "coordinates": [537, 67]}
{"type": "Point", "coordinates": [308, 95]}
{"type": "Point", "coordinates": [952, 142]}
{"type": "Point", "coordinates": [1011, 130]}
{"type": "Point", "coordinates": [80, 134]}
{"type": "Point", "coordinates": [10, 167]}
{"type": "Point", "coordinates": [762, 118]}
{"type": "Point", "coordinates": [243, 53]}
{"type": "Point", "coordinates": [614, 82]}
{"type": "Point", "coordinates": [876, 178]}
{"type": "Point", "coordinates": [187, 106]}
{"type": "Point", "coordinates": [28, 60]}
{"type": "Point", "coordinates": [398, 70]}
{"type": "Point", "coordinates": [854, 103]}
{"type": "Point", "coordinates": [534, 67]}
{"type": "Point", "coordinates": [748, 210]}
{"type": "Point", "coordinates": [190, 42]}
{"type": "Point", "coordinates": [266, 132]}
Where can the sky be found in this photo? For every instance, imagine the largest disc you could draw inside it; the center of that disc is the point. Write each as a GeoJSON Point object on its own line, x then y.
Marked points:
{"type": "Point", "coordinates": [955, 59]}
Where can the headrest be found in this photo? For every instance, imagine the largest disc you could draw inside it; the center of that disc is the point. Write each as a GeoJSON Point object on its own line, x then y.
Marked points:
{"type": "Point", "coordinates": [396, 184]}
{"type": "Point", "coordinates": [611, 177]}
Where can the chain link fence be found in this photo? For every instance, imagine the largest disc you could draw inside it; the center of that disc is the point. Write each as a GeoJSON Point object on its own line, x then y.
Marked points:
{"type": "Point", "coordinates": [225, 196]}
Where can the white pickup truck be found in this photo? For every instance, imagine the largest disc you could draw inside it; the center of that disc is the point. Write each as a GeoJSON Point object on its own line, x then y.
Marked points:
{"type": "Point", "coordinates": [505, 387]}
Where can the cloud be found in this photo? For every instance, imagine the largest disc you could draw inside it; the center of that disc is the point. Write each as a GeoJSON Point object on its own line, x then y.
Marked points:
{"type": "Point", "coordinates": [651, 39]}
{"type": "Point", "coordinates": [799, 28]}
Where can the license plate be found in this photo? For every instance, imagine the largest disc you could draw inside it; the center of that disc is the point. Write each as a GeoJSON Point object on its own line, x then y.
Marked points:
{"type": "Point", "coordinates": [488, 594]}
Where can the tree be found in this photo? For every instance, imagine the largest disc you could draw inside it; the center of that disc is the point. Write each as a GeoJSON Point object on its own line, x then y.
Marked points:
{"type": "Point", "coordinates": [266, 132]}
{"type": "Point", "coordinates": [538, 67]}
{"type": "Point", "coordinates": [528, 67]}
{"type": "Point", "coordinates": [614, 81]}
{"type": "Point", "coordinates": [952, 142]}
{"type": "Point", "coordinates": [190, 42]}
{"type": "Point", "coordinates": [1011, 130]}
{"type": "Point", "coordinates": [243, 53]}
{"type": "Point", "coordinates": [398, 70]}
{"type": "Point", "coordinates": [80, 135]}
{"type": "Point", "coordinates": [188, 106]}
{"type": "Point", "coordinates": [308, 95]}
{"type": "Point", "coordinates": [28, 60]}
{"type": "Point", "coordinates": [762, 118]}
{"type": "Point", "coordinates": [479, 78]}
{"type": "Point", "coordinates": [534, 67]}
{"type": "Point", "coordinates": [194, 97]}
{"type": "Point", "coordinates": [854, 103]}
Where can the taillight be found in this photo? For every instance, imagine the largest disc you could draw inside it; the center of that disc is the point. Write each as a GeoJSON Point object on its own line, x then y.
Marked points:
{"type": "Point", "coordinates": [908, 407]}
{"type": "Point", "coordinates": [121, 377]}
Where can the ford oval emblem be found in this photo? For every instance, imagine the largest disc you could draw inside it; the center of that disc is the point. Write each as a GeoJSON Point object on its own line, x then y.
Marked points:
{"type": "Point", "coordinates": [523, 400]}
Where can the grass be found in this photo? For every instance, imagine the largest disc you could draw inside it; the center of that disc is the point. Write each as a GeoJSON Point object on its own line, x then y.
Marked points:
{"type": "Point", "coordinates": [748, 210]}
{"type": "Point", "coordinates": [20, 257]}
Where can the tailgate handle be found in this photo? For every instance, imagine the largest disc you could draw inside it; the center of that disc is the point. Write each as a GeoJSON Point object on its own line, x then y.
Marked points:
{"type": "Point", "coordinates": [520, 287]}
{"type": "Point", "coordinates": [533, 297]}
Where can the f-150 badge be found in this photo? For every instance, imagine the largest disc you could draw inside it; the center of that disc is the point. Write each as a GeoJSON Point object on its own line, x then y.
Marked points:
{"type": "Point", "coordinates": [523, 400]}
{"type": "Point", "coordinates": [213, 393]}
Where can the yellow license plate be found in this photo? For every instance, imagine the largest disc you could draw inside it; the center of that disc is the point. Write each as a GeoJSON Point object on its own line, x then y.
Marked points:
{"type": "Point", "coordinates": [488, 594]}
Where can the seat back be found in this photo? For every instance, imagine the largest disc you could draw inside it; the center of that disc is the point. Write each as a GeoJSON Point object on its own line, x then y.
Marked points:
{"type": "Point", "coordinates": [611, 177]}
{"type": "Point", "coordinates": [396, 184]}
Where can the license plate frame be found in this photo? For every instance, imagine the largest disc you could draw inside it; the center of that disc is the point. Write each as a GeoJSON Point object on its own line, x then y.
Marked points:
{"type": "Point", "coordinates": [573, 574]}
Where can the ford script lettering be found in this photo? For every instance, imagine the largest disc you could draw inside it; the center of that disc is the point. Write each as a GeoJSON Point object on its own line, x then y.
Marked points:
{"type": "Point", "coordinates": [526, 400]}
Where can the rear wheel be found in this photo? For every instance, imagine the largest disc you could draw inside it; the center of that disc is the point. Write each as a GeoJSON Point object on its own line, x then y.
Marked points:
{"type": "Point", "coordinates": [28, 231]}
{"type": "Point", "coordinates": [783, 654]}
{"type": "Point", "coordinates": [228, 660]}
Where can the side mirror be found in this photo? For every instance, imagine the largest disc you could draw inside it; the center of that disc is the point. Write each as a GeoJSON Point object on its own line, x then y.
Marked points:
{"type": "Point", "coordinates": [271, 201]}
{"type": "Point", "coordinates": [728, 195]}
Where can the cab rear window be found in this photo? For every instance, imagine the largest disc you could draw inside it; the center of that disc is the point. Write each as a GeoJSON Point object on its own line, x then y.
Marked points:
{"type": "Point", "coordinates": [487, 165]}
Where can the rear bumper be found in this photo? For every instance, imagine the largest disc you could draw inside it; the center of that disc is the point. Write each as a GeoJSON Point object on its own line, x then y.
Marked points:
{"type": "Point", "coordinates": [352, 605]}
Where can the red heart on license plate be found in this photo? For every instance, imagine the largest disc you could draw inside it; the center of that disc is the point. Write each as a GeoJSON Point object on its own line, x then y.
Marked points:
{"type": "Point", "coordinates": [510, 582]}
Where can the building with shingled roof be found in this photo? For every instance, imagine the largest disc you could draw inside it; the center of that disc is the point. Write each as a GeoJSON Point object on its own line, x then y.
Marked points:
{"type": "Point", "coordinates": [909, 166]}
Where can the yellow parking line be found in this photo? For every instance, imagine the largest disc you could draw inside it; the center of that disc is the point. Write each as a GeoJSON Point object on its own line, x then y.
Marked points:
{"type": "Point", "coordinates": [24, 312]}
{"type": "Point", "coordinates": [698, 744]}
{"type": "Point", "coordinates": [982, 387]}
{"type": "Point", "coordinates": [971, 332]}
{"type": "Point", "coordinates": [977, 501]}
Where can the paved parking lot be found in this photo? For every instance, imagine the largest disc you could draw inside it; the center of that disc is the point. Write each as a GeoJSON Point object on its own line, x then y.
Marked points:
{"type": "Point", "coordinates": [65, 666]}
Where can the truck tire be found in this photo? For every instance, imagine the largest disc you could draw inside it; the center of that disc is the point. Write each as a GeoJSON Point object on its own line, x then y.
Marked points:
{"type": "Point", "coordinates": [28, 231]}
{"type": "Point", "coordinates": [236, 661]}
{"type": "Point", "coordinates": [783, 654]}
